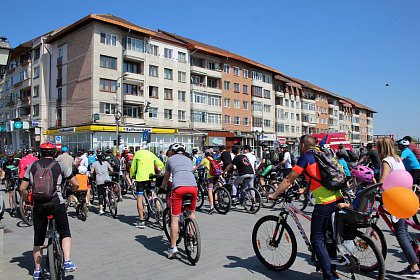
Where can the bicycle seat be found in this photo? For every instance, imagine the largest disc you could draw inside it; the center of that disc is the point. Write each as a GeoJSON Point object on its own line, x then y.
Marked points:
{"type": "Point", "coordinates": [186, 200]}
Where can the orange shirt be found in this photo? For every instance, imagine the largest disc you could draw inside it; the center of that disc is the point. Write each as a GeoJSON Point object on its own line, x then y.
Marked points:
{"type": "Point", "coordinates": [83, 181]}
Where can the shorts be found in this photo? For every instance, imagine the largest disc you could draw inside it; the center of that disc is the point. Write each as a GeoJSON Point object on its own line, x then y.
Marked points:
{"type": "Point", "coordinates": [176, 199]}
{"type": "Point", "coordinates": [141, 186]}
{"type": "Point", "coordinates": [213, 181]}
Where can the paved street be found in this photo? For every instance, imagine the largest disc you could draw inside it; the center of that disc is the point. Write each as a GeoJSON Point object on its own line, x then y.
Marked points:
{"type": "Point", "coordinates": [115, 248]}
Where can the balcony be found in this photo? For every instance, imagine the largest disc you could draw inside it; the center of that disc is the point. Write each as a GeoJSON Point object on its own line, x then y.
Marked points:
{"type": "Point", "coordinates": [59, 83]}
{"type": "Point", "coordinates": [25, 100]}
{"type": "Point", "coordinates": [134, 55]}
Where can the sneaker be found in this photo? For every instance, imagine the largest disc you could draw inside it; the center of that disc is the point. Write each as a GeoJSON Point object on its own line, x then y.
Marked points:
{"type": "Point", "coordinates": [140, 224]}
{"type": "Point", "coordinates": [407, 272]}
{"type": "Point", "coordinates": [101, 212]}
{"type": "Point", "coordinates": [37, 274]}
{"type": "Point", "coordinates": [211, 210]}
{"type": "Point", "coordinates": [172, 252]}
{"type": "Point", "coordinates": [69, 266]}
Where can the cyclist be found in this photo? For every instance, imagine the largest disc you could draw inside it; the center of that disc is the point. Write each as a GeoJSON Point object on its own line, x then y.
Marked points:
{"type": "Point", "coordinates": [245, 172]}
{"type": "Point", "coordinates": [91, 156]}
{"type": "Point", "coordinates": [142, 168]}
{"type": "Point", "coordinates": [226, 156]}
{"type": "Point", "coordinates": [409, 159]}
{"type": "Point", "coordinates": [326, 201]}
{"type": "Point", "coordinates": [413, 147]}
{"type": "Point", "coordinates": [287, 160]}
{"type": "Point", "coordinates": [183, 182]}
{"type": "Point", "coordinates": [66, 159]}
{"type": "Point", "coordinates": [251, 157]}
{"type": "Point", "coordinates": [101, 169]}
{"type": "Point", "coordinates": [391, 161]}
{"type": "Point", "coordinates": [211, 180]}
{"type": "Point", "coordinates": [27, 160]}
{"type": "Point", "coordinates": [9, 168]}
{"type": "Point", "coordinates": [265, 162]}
{"type": "Point", "coordinates": [373, 156]}
{"type": "Point", "coordinates": [53, 206]}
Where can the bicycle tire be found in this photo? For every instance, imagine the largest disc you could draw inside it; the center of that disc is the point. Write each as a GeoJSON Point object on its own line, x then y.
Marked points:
{"type": "Point", "coordinates": [92, 194]}
{"type": "Point", "coordinates": [200, 198]}
{"type": "Point", "coordinates": [167, 225]}
{"type": "Point", "coordinates": [378, 238]}
{"type": "Point", "coordinates": [222, 200]}
{"type": "Point", "coordinates": [300, 203]}
{"type": "Point", "coordinates": [192, 241]}
{"type": "Point", "coordinates": [83, 212]}
{"type": "Point", "coordinates": [2, 205]}
{"type": "Point", "coordinates": [263, 237]}
{"type": "Point", "coordinates": [55, 265]}
{"type": "Point", "coordinates": [252, 204]}
{"type": "Point", "coordinates": [146, 210]}
{"type": "Point", "coordinates": [416, 218]}
{"type": "Point", "coordinates": [158, 213]}
{"type": "Point", "coordinates": [112, 204]}
{"type": "Point", "coordinates": [26, 213]}
{"type": "Point", "coordinates": [361, 244]}
{"type": "Point", "coordinates": [265, 191]}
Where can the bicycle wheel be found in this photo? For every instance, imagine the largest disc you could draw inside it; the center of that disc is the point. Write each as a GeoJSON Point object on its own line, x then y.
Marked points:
{"type": "Point", "coordinates": [377, 236]}
{"type": "Point", "coordinates": [416, 218]}
{"type": "Point", "coordinates": [192, 241]}
{"type": "Point", "coordinates": [92, 194]}
{"type": "Point", "coordinates": [366, 261]}
{"type": "Point", "coordinates": [167, 225]}
{"type": "Point", "coordinates": [274, 243]}
{"type": "Point", "coordinates": [265, 191]}
{"type": "Point", "coordinates": [252, 200]}
{"type": "Point", "coordinates": [159, 207]}
{"type": "Point", "coordinates": [200, 198]}
{"type": "Point", "coordinates": [146, 213]}
{"type": "Point", "coordinates": [2, 207]}
{"type": "Point", "coordinates": [222, 200]}
{"type": "Point", "coordinates": [300, 201]}
{"type": "Point", "coordinates": [55, 260]}
{"type": "Point", "coordinates": [25, 212]}
{"type": "Point", "coordinates": [83, 212]}
{"type": "Point", "coordinates": [112, 203]}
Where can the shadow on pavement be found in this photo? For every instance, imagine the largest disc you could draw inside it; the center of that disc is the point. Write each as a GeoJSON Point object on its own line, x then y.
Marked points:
{"type": "Point", "coordinates": [25, 261]}
{"type": "Point", "coordinates": [22, 224]}
{"type": "Point", "coordinates": [129, 220]}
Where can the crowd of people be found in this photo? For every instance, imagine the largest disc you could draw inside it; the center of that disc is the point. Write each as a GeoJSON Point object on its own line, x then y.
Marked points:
{"type": "Point", "coordinates": [140, 169]}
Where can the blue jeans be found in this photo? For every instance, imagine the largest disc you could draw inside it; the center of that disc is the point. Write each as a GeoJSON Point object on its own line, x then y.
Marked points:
{"type": "Point", "coordinates": [404, 240]}
{"type": "Point", "coordinates": [321, 222]}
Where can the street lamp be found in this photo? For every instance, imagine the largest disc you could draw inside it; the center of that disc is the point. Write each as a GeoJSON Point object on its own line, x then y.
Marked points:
{"type": "Point", "coordinates": [5, 49]}
{"type": "Point", "coordinates": [117, 112]}
{"type": "Point", "coordinates": [258, 136]}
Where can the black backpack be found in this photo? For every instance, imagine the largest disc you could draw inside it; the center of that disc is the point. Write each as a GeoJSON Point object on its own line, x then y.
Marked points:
{"type": "Point", "coordinates": [274, 157]}
{"type": "Point", "coordinates": [332, 174]}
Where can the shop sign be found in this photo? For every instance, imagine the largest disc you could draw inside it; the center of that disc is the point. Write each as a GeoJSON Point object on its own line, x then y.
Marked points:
{"type": "Point", "coordinates": [270, 137]}
{"type": "Point", "coordinates": [217, 141]}
{"type": "Point", "coordinates": [36, 124]}
{"type": "Point", "coordinates": [67, 129]}
{"type": "Point", "coordinates": [134, 129]}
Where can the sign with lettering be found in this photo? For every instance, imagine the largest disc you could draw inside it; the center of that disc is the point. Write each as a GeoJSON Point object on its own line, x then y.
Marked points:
{"type": "Point", "coordinates": [67, 129]}
{"type": "Point", "coordinates": [135, 129]}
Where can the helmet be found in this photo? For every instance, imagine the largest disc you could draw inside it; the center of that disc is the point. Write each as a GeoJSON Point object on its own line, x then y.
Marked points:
{"type": "Point", "coordinates": [177, 148]}
{"type": "Point", "coordinates": [29, 151]}
{"type": "Point", "coordinates": [99, 155]}
{"type": "Point", "coordinates": [10, 153]}
{"type": "Point", "coordinates": [363, 174]}
{"type": "Point", "coordinates": [91, 151]}
{"type": "Point", "coordinates": [48, 149]}
{"type": "Point", "coordinates": [283, 146]}
{"type": "Point", "coordinates": [64, 149]}
{"type": "Point", "coordinates": [403, 142]}
{"type": "Point", "coordinates": [82, 169]}
{"type": "Point", "coordinates": [195, 151]}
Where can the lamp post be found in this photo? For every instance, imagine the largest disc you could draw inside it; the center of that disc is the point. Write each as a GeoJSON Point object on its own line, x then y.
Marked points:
{"type": "Point", "coordinates": [5, 49]}
{"type": "Point", "coordinates": [117, 112]}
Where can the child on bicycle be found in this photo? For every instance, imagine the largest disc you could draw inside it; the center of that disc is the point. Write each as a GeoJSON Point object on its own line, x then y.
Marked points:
{"type": "Point", "coordinates": [83, 179]}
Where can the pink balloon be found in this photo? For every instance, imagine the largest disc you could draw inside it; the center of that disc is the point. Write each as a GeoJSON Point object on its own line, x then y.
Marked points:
{"type": "Point", "coordinates": [398, 178]}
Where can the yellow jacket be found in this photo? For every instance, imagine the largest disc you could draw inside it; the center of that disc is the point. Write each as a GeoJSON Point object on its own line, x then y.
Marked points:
{"type": "Point", "coordinates": [143, 165]}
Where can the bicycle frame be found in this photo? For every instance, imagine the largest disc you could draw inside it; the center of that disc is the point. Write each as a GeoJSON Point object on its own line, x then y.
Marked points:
{"type": "Point", "coordinates": [382, 213]}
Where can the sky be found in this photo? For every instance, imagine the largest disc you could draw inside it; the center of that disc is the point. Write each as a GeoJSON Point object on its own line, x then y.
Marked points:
{"type": "Point", "coordinates": [353, 48]}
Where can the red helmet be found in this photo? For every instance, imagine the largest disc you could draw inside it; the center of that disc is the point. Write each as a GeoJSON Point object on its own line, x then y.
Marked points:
{"type": "Point", "coordinates": [48, 146]}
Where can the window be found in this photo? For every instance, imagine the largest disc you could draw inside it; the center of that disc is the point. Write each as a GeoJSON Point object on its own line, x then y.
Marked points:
{"type": "Point", "coordinates": [153, 92]}
{"type": "Point", "coordinates": [227, 119]}
{"type": "Point", "coordinates": [197, 62]}
{"type": "Point", "coordinates": [245, 105]}
{"type": "Point", "coordinates": [236, 71]}
{"type": "Point", "coordinates": [236, 104]}
{"type": "Point", "coordinates": [211, 83]}
{"type": "Point", "coordinates": [257, 122]}
{"type": "Point", "coordinates": [286, 115]}
{"type": "Point", "coordinates": [36, 72]}
{"type": "Point", "coordinates": [168, 94]}
{"type": "Point", "coordinates": [167, 114]}
{"type": "Point", "coordinates": [267, 94]}
{"type": "Point", "coordinates": [181, 115]}
{"type": "Point", "coordinates": [153, 71]}
{"type": "Point", "coordinates": [256, 91]}
{"type": "Point", "coordinates": [286, 102]}
{"type": "Point", "coordinates": [257, 76]}
{"type": "Point", "coordinates": [181, 95]}
{"type": "Point", "coordinates": [292, 103]}
{"type": "Point", "coordinates": [245, 89]}
{"type": "Point", "coordinates": [132, 89]}
{"type": "Point", "coordinates": [108, 39]}
{"type": "Point", "coordinates": [266, 79]}
{"type": "Point", "coordinates": [106, 108]}
{"type": "Point", "coordinates": [108, 62]}
{"type": "Point", "coordinates": [236, 87]}
{"type": "Point", "coordinates": [37, 53]}
{"type": "Point", "coordinates": [245, 73]}
{"type": "Point", "coordinates": [267, 108]}
{"type": "Point", "coordinates": [292, 116]}
{"type": "Point", "coordinates": [168, 74]}
{"type": "Point", "coordinates": [227, 102]}
{"type": "Point", "coordinates": [107, 85]}
{"type": "Point", "coordinates": [134, 44]}
{"type": "Point", "coordinates": [182, 77]}
{"type": "Point", "coordinates": [278, 88]}
{"type": "Point", "coordinates": [153, 50]}
{"type": "Point", "coordinates": [36, 91]}
{"type": "Point", "coordinates": [35, 110]}
{"type": "Point", "coordinates": [153, 112]}
{"type": "Point", "coordinates": [168, 53]}
{"type": "Point", "coordinates": [237, 120]}
{"type": "Point", "coordinates": [298, 117]}
{"type": "Point", "coordinates": [267, 123]}
{"type": "Point", "coordinates": [132, 67]}
{"type": "Point", "coordinates": [212, 65]}
{"type": "Point", "coordinates": [133, 111]}
{"type": "Point", "coordinates": [214, 100]}
{"type": "Point", "coordinates": [182, 57]}
{"type": "Point", "coordinates": [227, 85]}
{"type": "Point", "coordinates": [257, 106]}
{"type": "Point", "coordinates": [245, 121]}
{"type": "Point", "coordinates": [226, 68]}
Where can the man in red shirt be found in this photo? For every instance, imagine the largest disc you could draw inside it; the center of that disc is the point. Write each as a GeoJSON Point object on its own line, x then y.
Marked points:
{"type": "Point", "coordinates": [413, 147]}
{"type": "Point", "coordinates": [26, 161]}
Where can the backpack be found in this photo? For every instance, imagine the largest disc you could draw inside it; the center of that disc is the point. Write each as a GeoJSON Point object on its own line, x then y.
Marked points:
{"type": "Point", "coordinates": [274, 157]}
{"type": "Point", "coordinates": [215, 167]}
{"type": "Point", "coordinates": [333, 177]}
{"type": "Point", "coordinates": [43, 187]}
{"type": "Point", "coordinates": [197, 160]}
{"type": "Point", "coordinates": [352, 156]}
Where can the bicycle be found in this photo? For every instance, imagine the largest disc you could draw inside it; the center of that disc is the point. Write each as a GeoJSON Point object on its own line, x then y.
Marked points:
{"type": "Point", "coordinates": [265, 190]}
{"type": "Point", "coordinates": [249, 198]}
{"type": "Point", "coordinates": [275, 244]}
{"type": "Point", "coordinates": [110, 197]}
{"type": "Point", "coordinates": [153, 206]}
{"type": "Point", "coordinates": [188, 229]}
{"type": "Point", "coordinates": [55, 256]}
{"type": "Point", "coordinates": [81, 205]}
{"type": "Point", "coordinates": [201, 186]}
{"type": "Point", "coordinates": [13, 185]}
{"type": "Point", "coordinates": [221, 196]}
{"type": "Point", "coordinates": [26, 211]}
{"type": "Point", "coordinates": [2, 206]}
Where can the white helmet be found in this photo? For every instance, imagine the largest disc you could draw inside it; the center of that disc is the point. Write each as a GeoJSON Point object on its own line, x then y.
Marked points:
{"type": "Point", "coordinates": [403, 142]}
{"type": "Point", "coordinates": [177, 148]}
{"type": "Point", "coordinates": [82, 169]}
